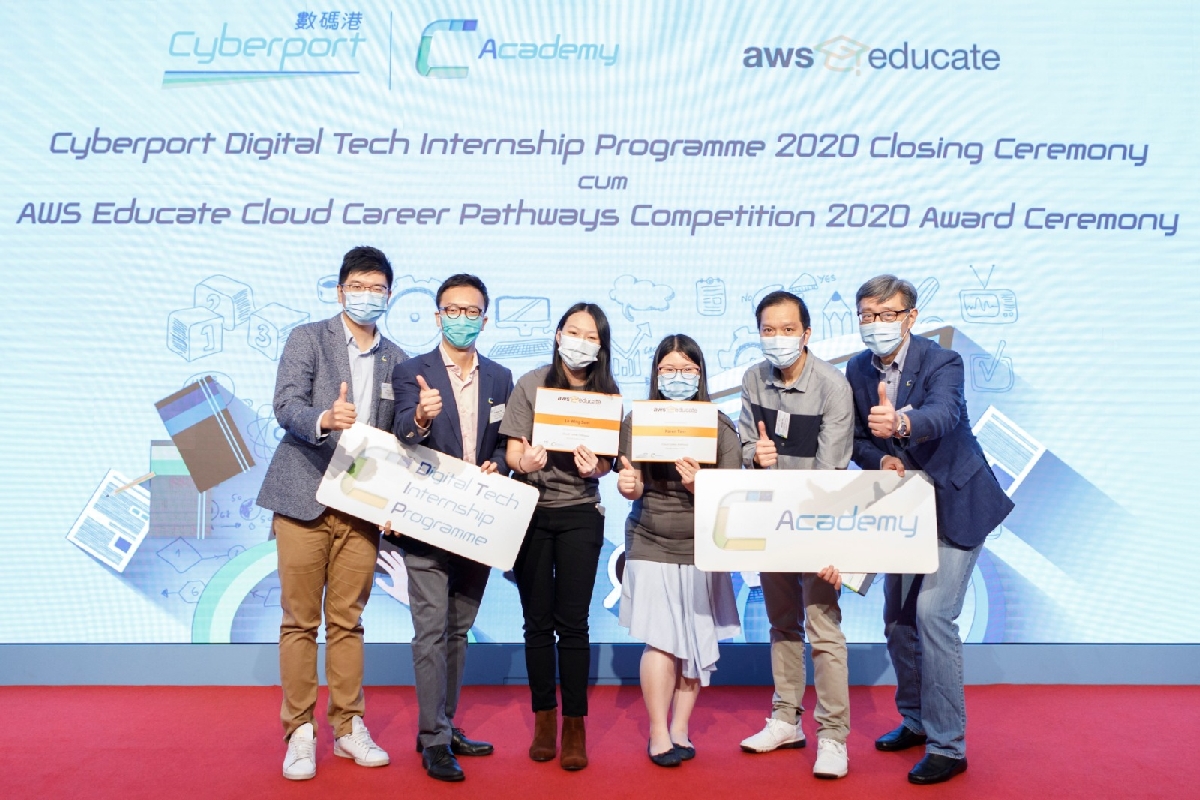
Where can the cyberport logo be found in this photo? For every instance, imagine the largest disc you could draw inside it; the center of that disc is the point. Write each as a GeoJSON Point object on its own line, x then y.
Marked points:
{"type": "Point", "coordinates": [845, 55]}
{"type": "Point", "coordinates": [315, 45]}
{"type": "Point", "coordinates": [506, 51]}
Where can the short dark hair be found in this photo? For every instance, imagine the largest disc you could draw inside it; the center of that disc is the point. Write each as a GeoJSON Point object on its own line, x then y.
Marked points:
{"type": "Point", "coordinates": [599, 372]}
{"type": "Point", "coordinates": [365, 259]}
{"type": "Point", "coordinates": [461, 279]}
{"type": "Point", "coordinates": [778, 299]}
{"type": "Point", "coordinates": [679, 343]}
{"type": "Point", "coordinates": [882, 287]}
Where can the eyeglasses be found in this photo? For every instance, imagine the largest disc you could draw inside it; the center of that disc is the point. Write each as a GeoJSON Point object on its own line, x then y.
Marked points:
{"type": "Point", "coordinates": [671, 372]}
{"type": "Point", "coordinates": [454, 312]}
{"type": "Point", "coordinates": [359, 287]}
{"type": "Point", "coordinates": [867, 317]}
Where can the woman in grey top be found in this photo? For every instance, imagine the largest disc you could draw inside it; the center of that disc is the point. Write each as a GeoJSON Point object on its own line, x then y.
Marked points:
{"type": "Point", "coordinates": [677, 610]}
{"type": "Point", "coordinates": [556, 566]}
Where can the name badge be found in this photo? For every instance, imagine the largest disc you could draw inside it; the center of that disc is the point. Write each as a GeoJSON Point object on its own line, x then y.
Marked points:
{"type": "Point", "coordinates": [497, 414]}
{"type": "Point", "coordinates": [386, 391]}
{"type": "Point", "coordinates": [783, 421]}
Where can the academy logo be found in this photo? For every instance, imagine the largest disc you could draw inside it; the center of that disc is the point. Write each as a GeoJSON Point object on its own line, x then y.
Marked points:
{"type": "Point", "coordinates": [494, 50]}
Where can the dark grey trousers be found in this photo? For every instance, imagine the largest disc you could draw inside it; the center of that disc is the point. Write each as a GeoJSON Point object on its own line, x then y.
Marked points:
{"type": "Point", "coordinates": [444, 592]}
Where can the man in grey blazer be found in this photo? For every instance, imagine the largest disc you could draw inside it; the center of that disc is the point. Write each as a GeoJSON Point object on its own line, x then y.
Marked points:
{"type": "Point", "coordinates": [332, 374]}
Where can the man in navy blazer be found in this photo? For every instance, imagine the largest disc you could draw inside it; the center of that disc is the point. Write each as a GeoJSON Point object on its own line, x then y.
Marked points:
{"type": "Point", "coordinates": [910, 412]}
{"type": "Point", "coordinates": [451, 400]}
{"type": "Point", "coordinates": [332, 374]}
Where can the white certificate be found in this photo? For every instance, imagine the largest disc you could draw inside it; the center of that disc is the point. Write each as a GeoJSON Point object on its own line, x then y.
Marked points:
{"type": "Point", "coordinates": [806, 520]}
{"type": "Point", "coordinates": [428, 495]}
{"type": "Point", "coordinates": [669, 430]}
{"type": "Point", "coordinates": [564, 419]}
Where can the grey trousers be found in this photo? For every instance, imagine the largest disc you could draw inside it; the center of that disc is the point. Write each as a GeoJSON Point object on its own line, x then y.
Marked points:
{"type": "Point", "coordinates": [444, 592]}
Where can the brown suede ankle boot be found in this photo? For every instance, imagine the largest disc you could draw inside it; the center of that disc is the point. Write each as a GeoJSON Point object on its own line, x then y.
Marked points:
{"type": "Point", "coordinates": [574, 744]}
{"type": "Point", "coordinates": [545, 735]}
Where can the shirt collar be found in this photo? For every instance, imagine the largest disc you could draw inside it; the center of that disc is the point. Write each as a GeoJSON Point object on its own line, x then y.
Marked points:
{"type": "Point", "coordinates": [450, 365]}
{"type": "Point", "coordinates": [350, 337]}
{"type": "Point", "coordinates": [898, 361]}
{"type": "Point", "coordinates": [805, 377]}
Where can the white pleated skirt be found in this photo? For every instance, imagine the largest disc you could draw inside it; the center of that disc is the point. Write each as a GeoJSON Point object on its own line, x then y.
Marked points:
{"type": "Point", "coordinates": [680, 610]}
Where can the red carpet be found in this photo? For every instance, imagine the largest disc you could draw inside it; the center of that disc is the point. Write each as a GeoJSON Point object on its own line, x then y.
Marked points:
{"type": "Point", "coordinates": [170, 742]}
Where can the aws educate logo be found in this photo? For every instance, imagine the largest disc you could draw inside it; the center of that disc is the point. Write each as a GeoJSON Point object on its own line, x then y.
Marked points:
{"type": "Point", "coordinates": [557, 50]}
{"type": "Point", "coordinates": [845, 55]}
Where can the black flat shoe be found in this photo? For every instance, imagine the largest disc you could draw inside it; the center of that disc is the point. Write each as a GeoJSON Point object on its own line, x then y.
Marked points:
{"type": "Point", "coordinates": [934, 768]}
{"type": "Point", "coordinates": [460, 745]}
{"type": "Point", "coordinates": [670, 758]}
{"type": "Point", "coordinates": [902, 738]}
{"type": "Point", "coordinates": [440, 763]}
{"type": "Point", "coordinates": [686, 751]}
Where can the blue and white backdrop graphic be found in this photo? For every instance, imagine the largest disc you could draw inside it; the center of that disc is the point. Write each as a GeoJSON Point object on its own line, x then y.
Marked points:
{"type": "Point", "coordinates": [182, 180]}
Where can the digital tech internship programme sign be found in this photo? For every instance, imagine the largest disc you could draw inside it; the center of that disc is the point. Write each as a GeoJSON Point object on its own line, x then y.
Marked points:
{"type": "Point", "coordinates": [181, 183]}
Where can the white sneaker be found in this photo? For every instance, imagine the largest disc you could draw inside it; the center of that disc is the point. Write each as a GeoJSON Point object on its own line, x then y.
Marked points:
{"type": "Point", "coordinates": [300, 763]}
{"type": "Point", "coordinates": [777, 735]}
{"type": "Point", "coordinates": [358, 745]}
{"type": "Point", "coordinates": [832, 759]}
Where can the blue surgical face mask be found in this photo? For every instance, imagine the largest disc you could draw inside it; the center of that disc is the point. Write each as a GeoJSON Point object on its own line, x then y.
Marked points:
{"type": "Point", "coordinates": [782, 351]}
{"type": "Point", "coordinates": [882, 338]}
{"type": "Point", "coordinates": [577, 353]}
{"type": "Point", "coordinates": [365, 307]}
{"type": "Point", "coordinates": [461, 332]}
{"type": "Point", "coordinates": [680, 386]}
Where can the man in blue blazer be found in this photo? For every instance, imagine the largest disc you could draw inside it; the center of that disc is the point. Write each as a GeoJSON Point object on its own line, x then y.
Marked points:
{"type": "Point", "coordinates": [910, 413]}
{"type": "Point", "coordinates": [451, 400]}
{"type": "Point", "coordinates": [332, 374]}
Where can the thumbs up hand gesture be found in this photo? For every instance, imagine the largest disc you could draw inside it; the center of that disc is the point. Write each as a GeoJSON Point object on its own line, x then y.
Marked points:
{"type": "Point", "coordinates": [533, 457]}
{"type": "Point", "coordinates": [764, 449]}
{"type": "Point", "coordinates": [629, 480]}
{"type": "Point", "coordinates": [341, 414]}
{"type": "Point", "coordinates": [883, 420]}
{"type": "Point", "coordinates": [429, 403]}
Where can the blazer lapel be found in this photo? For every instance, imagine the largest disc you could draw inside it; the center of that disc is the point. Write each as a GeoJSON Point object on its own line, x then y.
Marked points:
{"type": "Point", "coordinates": [486, 403]}
{"type": "Point", "coordinates": [912, 367]}
{"type": "Point", "coordinates": [384, 364]}
{"type": "Point", "coordinates": [336, 335]}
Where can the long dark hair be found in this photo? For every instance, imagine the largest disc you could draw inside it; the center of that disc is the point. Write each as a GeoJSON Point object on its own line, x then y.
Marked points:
{"type": "Point", "coordinates": [599, 372]}
{"type": "Point", "coordinates": [686, 345]}
{"type": "Point", "coordinates": [673, 343]}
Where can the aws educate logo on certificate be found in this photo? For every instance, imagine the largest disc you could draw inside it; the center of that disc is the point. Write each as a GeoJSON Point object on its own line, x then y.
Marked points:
{"type": "Point", "coordinates": [325, 44]}
{"type": "Point", "coordinates": [458, 64]}
{"type": "Point", "coordinates": [846, 55]}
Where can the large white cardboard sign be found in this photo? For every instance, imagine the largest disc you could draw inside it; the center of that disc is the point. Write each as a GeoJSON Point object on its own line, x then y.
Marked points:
{"type": "Point", "coordinates": [805, 520]}
{"type": "Point", "coordinates": [428, 495]}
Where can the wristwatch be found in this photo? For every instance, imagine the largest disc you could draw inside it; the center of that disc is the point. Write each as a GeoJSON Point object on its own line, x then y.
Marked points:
{"type": "Point", "coordinates": [902, 430]}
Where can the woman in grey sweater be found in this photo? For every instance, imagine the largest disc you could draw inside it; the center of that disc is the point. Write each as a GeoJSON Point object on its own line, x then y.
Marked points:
{"type": "Point", "coordinates": [678, 611]}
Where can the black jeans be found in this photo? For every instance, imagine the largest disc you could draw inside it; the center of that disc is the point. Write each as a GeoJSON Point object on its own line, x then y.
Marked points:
{"type": "Point", "coordinates": [556, 572]}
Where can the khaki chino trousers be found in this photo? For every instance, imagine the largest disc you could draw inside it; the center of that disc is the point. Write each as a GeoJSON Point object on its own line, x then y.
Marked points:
{"type": "Point", "coordinates": [794, 600]}
{"type": "Point", "coordinates": [326, 564]}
